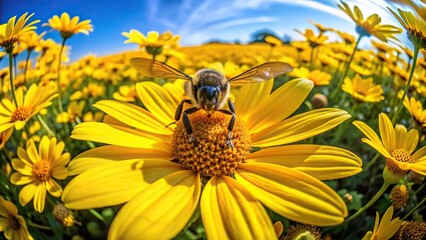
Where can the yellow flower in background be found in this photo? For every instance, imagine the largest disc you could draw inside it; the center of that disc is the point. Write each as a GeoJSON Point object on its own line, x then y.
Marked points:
{"type": "Point", "coordinates": [316, 76]}
{"type": "Point", "coordinates": [69, 26]}
{"type": "Point", "coordinates": [37, 170]}
{"type": "Point", "coordinates": [347, 37]}
{"type": "Point", "coordinates": [4, 137]}
{"type": "Point", "coordinates": [371, 25]}
{"type": "Point", "coordinates": [273, 41]}
{"type": "Point", "coordinates": [415, 27]}
{"type": "Point", "coordinates": [125, 93]}
{"type": "Point", "coordinates": [363, 89]}
{"type": "Point", "coordinates": [11, 32]}
{"type": "Point", "coordinates": [158, 174]}
{"type": "Point", "coordinates": [92, 90]}
{"type": "Point", "coordinates": [312, 39]}
{"type": "Point", "coordinates": [11, 223]}
{"type": "Point", "coordinates": [385, 228]}
{"type": "Point", "coordinates": [153, 42]}
{"type": "Point", "coordinates": [415, 108]}
{"type": "Point", "coordinates": [74, 111]}
{"type": "Point", "coordinates": [29, 104]}
{"type": "Point", "coordinates": [397, 146]}
{"type": "Point", "coordinates": [31, 40]}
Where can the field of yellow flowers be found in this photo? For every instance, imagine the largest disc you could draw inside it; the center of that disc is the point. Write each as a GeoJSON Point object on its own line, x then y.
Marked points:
{"type": "Point", "coordinates": [333, 149]}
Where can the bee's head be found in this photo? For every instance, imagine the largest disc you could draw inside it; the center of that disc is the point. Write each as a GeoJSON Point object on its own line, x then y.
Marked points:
{"type": "Point", "coordinates": [208, 96]}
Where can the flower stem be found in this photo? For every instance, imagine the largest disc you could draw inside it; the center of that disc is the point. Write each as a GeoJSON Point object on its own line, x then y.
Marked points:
{"type": "Point", "coordinates": [373, 200]}
{"type": "Point", "coordinates": [345, 72]}
{"type": "Point", "coordinates": [26, 65]}
{"type": "Point", "coordinates": [97, 215]}
{"type": "Point", "coordinates": [414, 209]}
{"type": "Point", "coordinates": [407, 86]}
{"type": "Point", "coordinates": [372, 161]}
{"type": "Point", "coordinates": [38, 226]}
{"type": "Point", "coordinates": [46, 127]}
{"type": "Point", "coordinates": [58, 79]}
{"type": "Point", "coordinates": [12, 84]}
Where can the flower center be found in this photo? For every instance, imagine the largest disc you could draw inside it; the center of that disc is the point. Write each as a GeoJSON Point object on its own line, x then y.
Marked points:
{"type": "Point", "coordinates": [211, 156]}
{"type": "Point", "coordinates": [14, 223]}
{"type": "Point", "coordinates": [21, 113]}
{"type": "Point", "coordinates": [41, 170]}
{"type": "Point", "coordinates": [401, 155]}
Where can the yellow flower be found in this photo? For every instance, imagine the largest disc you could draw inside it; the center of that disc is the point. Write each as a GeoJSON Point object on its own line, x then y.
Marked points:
{"type": "Point", "coordinates": [36, 170]}
{"type": "Point", "coordinates": [415, 108]}
{"type": "Point", "coordinates": [363, 89]}
{"type": "Point", "coordinates": [11, 222]}
{"type": "Point", "coordinates": [31, 40]}
{"type": "Point", "coordinates": [314, 41]}
{"type": "Point", "coordinates": [153, 42]}
{"type": "Point", "coordinates": [347, 37]}
{"type": "Point", "coordinates": [36, 98]}
{"type": "Point", "coordinates": [125, 93]}
{"type": "Point", "coordinates": [397, 146]}
{"type": "Point", "coordinates": [415, 27]}
{"type": "Point", "coordinates": [371, 25]}
{"type": "Point", "coordinates": [4, 137]}
{"type": "Point", "coordinates": [74, 111]}
{"type": "Point", "coordinates": [92, 90]}
{"type": "Point", "coordinates": [384, 229]}
{"type": "Point", "coordinates": [158, 174]}
{"type": "Point", "coordinates": [273, 41]}
{"type": "Point", "coordinates": [68, 27]}
{"type": "Point", "coordinates": [11, 32]}
{"type": "Point", "coordinates": [316, 76]}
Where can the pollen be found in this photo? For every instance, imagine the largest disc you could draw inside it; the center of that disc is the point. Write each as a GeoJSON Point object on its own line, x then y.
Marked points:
{"type": "Point", "coordinates": [399, 196]}
{"type": "Point", "coordinates": [21, 113]}
{"type": "Point", "coordinates": [211, 156]}
{"type": "Point", "coordinates": [401, 155]}
{"type": "Point", "coordinates": [41, 170]}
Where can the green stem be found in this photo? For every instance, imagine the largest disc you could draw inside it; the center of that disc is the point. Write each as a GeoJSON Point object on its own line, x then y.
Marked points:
{"type": "Point", "coordinates": [46, 127]}
{"type": "Point", "coordinates": [58, 79]}
{"type": "Point", "coordinates": [12, 84]}
{"type": "Point", "coordinates": [407, 86]}
{"type": "Point", "coordinates": [373, 200]}
{"type": "Point", "coordinates": [38, 226]}
{"type": "Point", "coordinates": [414, 209]}
{"type": "Point", "coordinates": [26, 65]}
{"type": "Point", "coordinates": [97, 215]}
{"type": "Point", "coordinates": [345, 72]}
{"type": "Point", "coordinates": [420, 188]}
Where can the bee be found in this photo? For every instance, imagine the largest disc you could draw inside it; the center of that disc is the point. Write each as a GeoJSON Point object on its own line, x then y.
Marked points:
{"type": "Point", "coordinates": [208, 89]}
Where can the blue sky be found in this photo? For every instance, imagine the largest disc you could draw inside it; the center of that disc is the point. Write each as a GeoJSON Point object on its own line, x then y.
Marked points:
{"type": "Point", "coordinates": [196, 21]}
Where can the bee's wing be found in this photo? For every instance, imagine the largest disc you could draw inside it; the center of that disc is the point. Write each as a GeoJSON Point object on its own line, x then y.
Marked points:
{"type": "Point", "coordinates": [156, 69]}
{"type": "Point", "coordinates": [261, 73]}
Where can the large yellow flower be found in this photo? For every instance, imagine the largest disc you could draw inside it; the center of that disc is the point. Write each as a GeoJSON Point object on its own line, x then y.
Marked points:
{"type": "Point", "coordinates": [36, 98]}
{"type": "Point", "coordinates": [363, 89]}
{"type": "Point", "coordinates": [162, 177]}
{"type": "Point", "coordinates": [415, 26]}
{"type": "Point", "coordinates": [69, 26]}
{"type": "Point", "coordinates": [10, 32]}
{"type": "Point", "coordinates": [11, 222]}
{"type": "Point", "coordinates": [36, 170]}
{"type": "Point", "coordinates": [371, 25]}
{"type": "Point", "coordinates": [316, 76]}
{"type": "Point", "coordinates": [397, 146]}
{"type": "Point", "coordinates": [384, 229]}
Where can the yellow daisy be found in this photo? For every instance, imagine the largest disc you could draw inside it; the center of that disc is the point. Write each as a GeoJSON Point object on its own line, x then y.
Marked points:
{"type": "Point", "coordinates": [161, 177]}
{"type": "Point", "coordinates": [10, 32]}
{"type": "Point", "coordinates": [397, 146]}
{"type": "Point", "coordinates": [415, 108]}
{"type": "Point", "coordinates": [69, 26]}
{"type": "Point", "coordinates": [273, 41]}
{"type": "Point", "coordinates": [415, 27]}
{"type": "Point", "coordinates": [371, 25]}
{"type": "Point", "coordinates": [363, 89]}
{"type": "Point", "coordinates": [316, 76]}
{"type": "Point", "coordinates": [36, 170]}
{"type": "Point", "coordinates": [11, 222]}
{"type": "Point", "coordinates": [4, 137]}
{"type": "Point", "coordinates": [153, 42]}
{"type": "Point", "coordinates": [312, 39]}
{"type": "Point", "coordinates": [385, 228]}
{"type": "Point", "coordinates": [35, 99]}
{"type": "Point", "coordinates": [74, 111]}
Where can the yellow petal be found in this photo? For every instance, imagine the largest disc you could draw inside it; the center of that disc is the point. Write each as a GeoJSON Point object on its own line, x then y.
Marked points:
{"type": "Point", "coordinates": [372, 139]}
{"type": "Point", "coordinates": [19, 179]}
{"type": "Point", "coordinates": [321, 162]}
{"type": "Point", "coordinates": [22, 167]}
{"type": "Point", "coordinates": [279, 105]}
{"type": "Point", "coordinates": [116, 135]}
{"type": "Point", "coordinates": [229, 211]}
{"type": "Point", "coordinates": [249, 97]}
{"type": "Point", "coordinates": [114, 183]}
{"type": "Point", "coordinates": [300, 127]}
{"type": "Point", "coordinates": [158, 101]}
{"type": "Point", "coordinates": [99, 155]}
{"type": "Point", "coordinates": [53, 188]}
{"type": "Point", "coordinates": [159, 211]}
{"type": "Point", "coordinates": [292, 194]}
{"type": "Point", "coordinates": [387, 132]}
{"type": "Point", "coordinates": [133, 115]}
{"type": "Point", "coordinates": [27, 193]}
{"type": "Point", "coordinates": [40, 197]}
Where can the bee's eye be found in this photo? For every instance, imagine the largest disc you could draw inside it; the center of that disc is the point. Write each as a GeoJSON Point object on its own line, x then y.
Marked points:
{"type": "Point", "coordinates": [211, 93]}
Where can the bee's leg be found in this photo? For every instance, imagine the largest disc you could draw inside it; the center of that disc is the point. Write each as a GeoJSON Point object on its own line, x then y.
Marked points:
{"type": "Point", "coordinates": [231, 123]}
{"type": "Point", "coordinates": [187, 123]}
{"type": "Point", "coordinates": [178, 112]}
